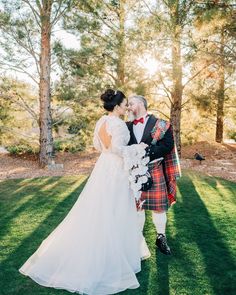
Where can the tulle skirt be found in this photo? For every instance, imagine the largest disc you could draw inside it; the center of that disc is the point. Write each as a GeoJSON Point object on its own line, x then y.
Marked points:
{"type": "Point", "coordinates": [95, 249]}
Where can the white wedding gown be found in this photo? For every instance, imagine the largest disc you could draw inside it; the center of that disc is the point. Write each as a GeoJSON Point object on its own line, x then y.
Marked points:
{"type": "Point", "coordinates": [95, 249]}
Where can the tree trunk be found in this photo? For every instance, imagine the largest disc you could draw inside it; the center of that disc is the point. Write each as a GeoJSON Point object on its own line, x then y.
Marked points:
{"type": "Point", "coordinates": [221, 94]}
{"type": "Point", "coordinates": [121, 47]}
{"type": "Point", "coordinates": [45, 118]}
{"type": "Point", "coordinates": [177, 90]}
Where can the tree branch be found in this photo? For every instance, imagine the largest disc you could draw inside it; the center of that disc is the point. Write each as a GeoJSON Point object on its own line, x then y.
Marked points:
{"type": "Point", "coordinates": [58, 14]}
{"type": "Point", "coordinates": [113, 77]}
{"type": "Point", "coordinates": [196, 74]}
{"type": "Point", "coordinates": [19, 133]}
{"type": "Point", "coordinates": [19, 70]}
{"type": "Point", "coordinates": [23, 105]}
{"type": "Point", "coordinates": [30, 51]}
{"type": "Point", "coordinates": [101, 18]}
{"type": "Point", "coordinates": [149, 9]}
{"type": "Point", "coordinates": [35, 12]}
{"type": "Point", "coordinates": [155, 110]}
{"type": "Point", "coordinates": [166, 89]}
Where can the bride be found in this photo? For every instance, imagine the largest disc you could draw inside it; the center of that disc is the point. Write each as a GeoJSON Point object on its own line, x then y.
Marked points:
{"type": "Point", "coordinates": [95, 249]}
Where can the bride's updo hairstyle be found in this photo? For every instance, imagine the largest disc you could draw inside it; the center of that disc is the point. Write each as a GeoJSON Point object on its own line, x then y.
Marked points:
{"type": "Point", "coordinates": [111, 99]}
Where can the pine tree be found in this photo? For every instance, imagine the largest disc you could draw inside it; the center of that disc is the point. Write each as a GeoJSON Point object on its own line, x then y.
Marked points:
{"type": "Point", "coordinates": [214, 19]}
{"type": "Point", "coordinates": [26, 28]}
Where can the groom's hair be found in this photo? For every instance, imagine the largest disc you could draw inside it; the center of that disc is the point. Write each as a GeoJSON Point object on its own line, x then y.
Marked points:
{"type": "Point", "coordinates": [141, 99]}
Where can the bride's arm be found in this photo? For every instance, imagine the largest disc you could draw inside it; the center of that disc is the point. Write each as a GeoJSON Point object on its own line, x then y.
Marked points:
{"type": "Point", "coordinates": [119, 140]}
{"type": "Point", "coordinates": [96, 141]}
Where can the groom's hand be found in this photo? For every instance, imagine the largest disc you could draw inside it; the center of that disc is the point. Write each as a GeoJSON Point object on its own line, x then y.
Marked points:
{"type": "Point", "coordinates": [149, 152]}
{"type": "Point", "coordinates": [155, 152]}
{"type": "Point", "coordinates": [147, 149]}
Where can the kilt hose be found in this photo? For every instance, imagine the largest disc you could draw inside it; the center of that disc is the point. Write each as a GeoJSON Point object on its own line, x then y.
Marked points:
{"type": "Point", "coordinates": [156, 198]}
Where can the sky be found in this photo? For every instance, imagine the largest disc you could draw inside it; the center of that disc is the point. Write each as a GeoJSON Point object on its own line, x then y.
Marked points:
{"type": "Point", "coordinates": [71, 41]}
{"type": "Point", "coordinates": [68, 40]}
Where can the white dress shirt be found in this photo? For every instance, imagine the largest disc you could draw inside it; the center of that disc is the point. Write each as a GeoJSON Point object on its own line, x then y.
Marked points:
{"type": "Point", "coordinates": [139, 128]}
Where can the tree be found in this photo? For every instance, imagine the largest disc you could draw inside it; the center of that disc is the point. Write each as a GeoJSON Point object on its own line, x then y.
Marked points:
{"type": "Point", "coordinates": [218, 45]}
{"type": "Point", "coordinates": [107, 45]}
{"type": "Point", "coordinates": [19, 106]}
{"type": "Point", "coordinates": [173, 19]}
{"type": "Point", "coordinates": [5, 117]}
{"type": "Point", "coordinates": [26, 28]}
{"type": "Point", "coordinates": [175, 32]}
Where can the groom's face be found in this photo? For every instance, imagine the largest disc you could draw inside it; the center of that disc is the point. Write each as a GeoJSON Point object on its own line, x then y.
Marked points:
{"type": "Point", "coordinates": [134, 106]}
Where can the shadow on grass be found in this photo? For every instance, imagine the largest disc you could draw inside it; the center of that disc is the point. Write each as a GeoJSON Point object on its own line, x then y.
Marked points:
{"type": "Point", "coordinates": [170, 268]}
{"type": "Point", "coordinates": [197, 223]}
{"type": "Point", "coordinates": [30, 198]}
{"type": "Point", "coordinates": [12, 281]}
{"type": "Point", "coordinates": [192, 222]}
{"type": "Point", "coordinates": [154, 276]}
{"type": "Point", "coordinates": [162, 265]}
{"type": "Point", "coordinates": [226, 191]}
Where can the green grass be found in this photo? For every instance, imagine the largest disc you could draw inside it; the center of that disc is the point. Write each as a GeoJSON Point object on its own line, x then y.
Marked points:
{"type": "Point", "coordinates": [201, 233]}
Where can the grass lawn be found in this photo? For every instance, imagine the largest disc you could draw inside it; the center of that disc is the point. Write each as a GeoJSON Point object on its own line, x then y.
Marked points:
{"type": "Point", "coordinates": [201, 233]}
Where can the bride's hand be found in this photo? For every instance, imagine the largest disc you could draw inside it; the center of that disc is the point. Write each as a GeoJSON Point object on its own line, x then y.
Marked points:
{"type": "Point", "coordinates": [144, 145]}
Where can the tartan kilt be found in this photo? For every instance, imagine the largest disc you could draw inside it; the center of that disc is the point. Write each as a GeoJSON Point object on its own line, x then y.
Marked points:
{"type": "Point", "coordinates": [157, 197]}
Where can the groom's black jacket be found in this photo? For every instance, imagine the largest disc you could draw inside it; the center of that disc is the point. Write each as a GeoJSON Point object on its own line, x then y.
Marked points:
{"type": "Point", "coordinates": [161, 148]}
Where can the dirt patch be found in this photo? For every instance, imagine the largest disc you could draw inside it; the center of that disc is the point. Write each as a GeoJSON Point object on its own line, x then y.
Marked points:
{"type": "Point", "coordinates": [210, 150]}
{"type": "Point", "coordinates": [220, 160]}
{"type": "Point", "coordinates": [27, 166]}
{"type": "Point", "coordinates": [222, 168]}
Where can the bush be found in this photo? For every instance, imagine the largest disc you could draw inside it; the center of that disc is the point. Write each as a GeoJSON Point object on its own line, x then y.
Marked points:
{"type": "Point", "coordinates": [232, 135]}
{"type": "Point", "coordinates": [20, 149]}
{"type": "Point", "coordinates": [71, 145]}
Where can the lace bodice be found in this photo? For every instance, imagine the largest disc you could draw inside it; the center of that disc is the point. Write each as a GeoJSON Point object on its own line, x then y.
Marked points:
{"type": "Point", "coordinates": [133, 156]}
{"type": "Point", "coordinates": [118, 131]}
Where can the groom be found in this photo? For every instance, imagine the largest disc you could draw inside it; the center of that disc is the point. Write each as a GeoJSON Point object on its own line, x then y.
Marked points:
{"type": "Point", "coordinates": [158, 135]}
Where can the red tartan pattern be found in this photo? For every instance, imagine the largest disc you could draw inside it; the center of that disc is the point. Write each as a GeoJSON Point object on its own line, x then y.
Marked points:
{"type": "Point", "coordinates": [172, 166]}
{"type": "Point", "coordinates": [163, 192]}
{"type": "Point", "coordinates": [157, 197]}
{"type": "Point", "coordinates": [171, 161]}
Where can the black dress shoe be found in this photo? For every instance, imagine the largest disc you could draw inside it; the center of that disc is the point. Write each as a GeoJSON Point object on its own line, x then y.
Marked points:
{"type": "Point", "coordinates": [161, 244]}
